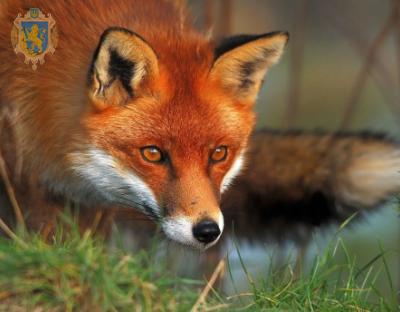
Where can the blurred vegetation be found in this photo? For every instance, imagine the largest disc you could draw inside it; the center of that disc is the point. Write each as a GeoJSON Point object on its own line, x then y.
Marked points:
{"type": "Point", "coordinates": [341, 68]}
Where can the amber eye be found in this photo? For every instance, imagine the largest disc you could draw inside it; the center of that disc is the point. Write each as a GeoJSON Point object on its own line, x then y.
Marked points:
{"type": "Point", "coordinates": [152, 154]}
{"type": "Point", "coordinates": [219, 154]}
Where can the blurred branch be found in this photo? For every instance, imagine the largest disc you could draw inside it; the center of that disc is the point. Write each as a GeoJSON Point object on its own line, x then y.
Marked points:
{"type": "Point", "coordinates": [208, 14]}
{"type": "Point", "coordinates": [225, 18]}
{"type": "Point", "coordinates": [396, 6]}
{"type": "Point", "coordinates": [380, 72]}
{"type": "Point", "coordinates": [296, 62]}
{"type": "Point", "coordinates": [223, 24]}
{"type": "Point", "coordinates": [365, 69]}
{"type": "Point", "coordinates": [6, 179]}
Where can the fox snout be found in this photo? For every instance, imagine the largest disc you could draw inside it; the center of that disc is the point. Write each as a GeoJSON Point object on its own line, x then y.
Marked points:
{"type": "Point", "coordinates": [200, 234]}
{"type": "Point", "coordinates": [187, 209]}
{"type": "Point", "coordinates": [194, 217]}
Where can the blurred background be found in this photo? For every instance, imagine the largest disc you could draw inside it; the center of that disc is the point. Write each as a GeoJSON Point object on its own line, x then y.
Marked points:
{"type": "Point", "coordinates": [342, 64]}
{"type": "Point", "coordinates": [341, 71]}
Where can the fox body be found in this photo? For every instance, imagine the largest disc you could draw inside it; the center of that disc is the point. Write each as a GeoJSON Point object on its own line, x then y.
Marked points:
{"type": "Point", "coordinates": [296, 181]}
{"type": "Point", "coordinates": [135, 109]}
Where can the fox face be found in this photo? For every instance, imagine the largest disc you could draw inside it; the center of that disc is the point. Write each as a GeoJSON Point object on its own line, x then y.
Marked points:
{"type": "Point", "coordinates": [166, 131]}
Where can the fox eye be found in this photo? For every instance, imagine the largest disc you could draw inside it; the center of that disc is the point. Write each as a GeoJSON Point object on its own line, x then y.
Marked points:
{"type": "Point", "coordinates": [219, 154]}
{"type": "Point", "coordinates": [152, 154]}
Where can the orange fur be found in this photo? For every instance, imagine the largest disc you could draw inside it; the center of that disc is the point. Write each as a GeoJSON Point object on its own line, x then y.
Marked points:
{"type": "Point", "coordinates": [178, 104]}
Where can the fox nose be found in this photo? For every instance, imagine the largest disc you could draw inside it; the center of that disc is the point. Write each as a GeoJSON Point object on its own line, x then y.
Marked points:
{"type": "Point", "coordinates": [206, 231]}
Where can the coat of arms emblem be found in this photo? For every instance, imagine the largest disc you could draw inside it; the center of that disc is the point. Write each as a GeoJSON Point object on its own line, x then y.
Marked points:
{"type": "Point", "coordinates": [34, 35]}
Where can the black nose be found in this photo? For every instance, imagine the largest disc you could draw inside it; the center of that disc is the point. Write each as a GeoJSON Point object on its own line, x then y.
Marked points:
{"type": "Point", "coordinates": [206, 231]}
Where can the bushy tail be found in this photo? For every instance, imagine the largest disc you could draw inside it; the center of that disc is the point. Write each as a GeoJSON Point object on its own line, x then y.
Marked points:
{"type": "Point", "coordinates": [312, 178]}
{"type": "Point", "coordinates": [369, 178]}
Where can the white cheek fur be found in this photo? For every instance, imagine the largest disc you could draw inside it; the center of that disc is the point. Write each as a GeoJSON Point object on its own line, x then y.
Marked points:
{"type": "Point", "coordinates": [232, 172]}
{"type": "Point", "coordinates": [99, 174]}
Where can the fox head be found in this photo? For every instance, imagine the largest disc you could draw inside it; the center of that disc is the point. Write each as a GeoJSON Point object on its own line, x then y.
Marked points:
{"type": "Point", "coordinates": [168, 125]}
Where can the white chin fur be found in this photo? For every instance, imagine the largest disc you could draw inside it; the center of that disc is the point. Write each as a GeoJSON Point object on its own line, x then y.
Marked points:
{"type": "Point", "coordinates": [180, 229]}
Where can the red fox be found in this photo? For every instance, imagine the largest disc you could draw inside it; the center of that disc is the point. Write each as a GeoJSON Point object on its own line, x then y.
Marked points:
{"type": "Point", "coordinates": [135, 108]}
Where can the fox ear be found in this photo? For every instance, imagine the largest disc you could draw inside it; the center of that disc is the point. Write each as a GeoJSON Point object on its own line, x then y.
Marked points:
{"type": "Point", "coordinates": [242, 61]}
{"type": "Point", "coordinates": [120, 63]}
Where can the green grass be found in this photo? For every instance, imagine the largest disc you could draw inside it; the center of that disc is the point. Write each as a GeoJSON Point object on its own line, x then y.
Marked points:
{"type": "Point", "coordinates": [75, 272]}
{"type": "Point", "coordinates": [328, 286]}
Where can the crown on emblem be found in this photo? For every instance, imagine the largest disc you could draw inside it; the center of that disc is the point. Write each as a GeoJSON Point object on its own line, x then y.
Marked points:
{"type": "Point", "coordinates": [34, 12]}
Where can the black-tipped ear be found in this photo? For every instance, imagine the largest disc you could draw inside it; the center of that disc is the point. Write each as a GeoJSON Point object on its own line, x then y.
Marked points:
{"type": "Point", "coordinates": [120, 63]}
{"type": "Point", "coordinates": [242, 61]}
